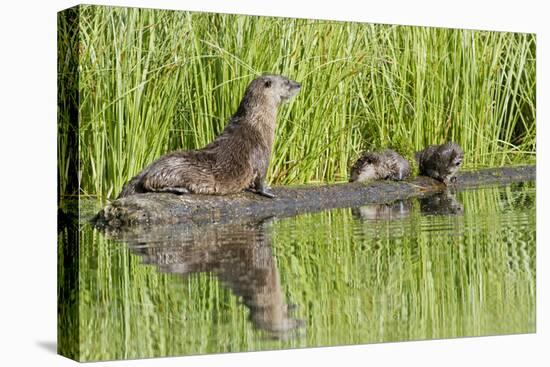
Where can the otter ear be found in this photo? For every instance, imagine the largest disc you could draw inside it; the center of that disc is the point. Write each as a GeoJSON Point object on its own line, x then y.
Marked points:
{"type": "Point", "coordinates": [267, 83]}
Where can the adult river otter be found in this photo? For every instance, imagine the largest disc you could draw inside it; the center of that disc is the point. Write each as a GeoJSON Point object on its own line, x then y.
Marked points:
{"type": "Point", "coordinates": [441, 162]}
{"type": "Point", "coordinates": [236, 160]}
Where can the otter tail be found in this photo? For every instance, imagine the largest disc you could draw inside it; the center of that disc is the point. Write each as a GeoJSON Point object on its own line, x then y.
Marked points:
{"type": "Point", "coordinates": [134, 186]}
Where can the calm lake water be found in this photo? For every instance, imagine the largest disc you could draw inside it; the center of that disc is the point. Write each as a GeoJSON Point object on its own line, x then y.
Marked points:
{"type": "Point", "coordinates": [438, 267]}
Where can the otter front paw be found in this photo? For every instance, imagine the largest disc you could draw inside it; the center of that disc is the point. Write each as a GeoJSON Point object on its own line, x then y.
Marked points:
{"type": "Point", "coordinates": [266, 192]}
{"type": "Point", "coordinates": [263, 191]}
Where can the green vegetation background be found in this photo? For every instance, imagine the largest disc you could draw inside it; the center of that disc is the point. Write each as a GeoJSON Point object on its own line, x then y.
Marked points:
{"type": "Point", "coordinates": [152, 81]}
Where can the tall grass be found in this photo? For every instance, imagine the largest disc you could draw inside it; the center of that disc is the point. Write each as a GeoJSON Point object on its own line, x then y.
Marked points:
{"type": "Point", "coordinates": [152, 81]}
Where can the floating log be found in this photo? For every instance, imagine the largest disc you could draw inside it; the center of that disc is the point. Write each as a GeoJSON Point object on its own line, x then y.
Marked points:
{"type": "Point", "coordinates": [166, 208]}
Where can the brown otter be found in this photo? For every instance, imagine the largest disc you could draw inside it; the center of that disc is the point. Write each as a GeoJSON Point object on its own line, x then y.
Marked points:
{"type": "Point", "coordinates": [236, 160]}
{"type": "Point", "coordinates": [440, 161]}
{"type": "Point", "coordinates": [380, 166]}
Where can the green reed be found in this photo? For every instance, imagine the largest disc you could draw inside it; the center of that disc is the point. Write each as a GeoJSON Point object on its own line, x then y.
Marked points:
{"type": "Point", "coordinates": [152, 81]}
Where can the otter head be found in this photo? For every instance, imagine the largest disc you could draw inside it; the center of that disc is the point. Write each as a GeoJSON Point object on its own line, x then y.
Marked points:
{"type": "Point", "coordinates": [271, 90]}
{"type": "Point", "coordinates": [451, 156]}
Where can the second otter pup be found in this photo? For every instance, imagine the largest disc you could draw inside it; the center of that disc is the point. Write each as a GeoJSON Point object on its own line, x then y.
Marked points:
{"type": "Point", "coordinates": [384, 165]}
{"type": "Point", "coordinates": [236, 160]}
{"type": "Point", "coordinates": [440, 161]}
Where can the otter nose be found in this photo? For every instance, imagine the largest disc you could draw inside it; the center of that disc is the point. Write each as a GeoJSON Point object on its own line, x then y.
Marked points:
{"type": "Point", "coordinates": [297, 85]}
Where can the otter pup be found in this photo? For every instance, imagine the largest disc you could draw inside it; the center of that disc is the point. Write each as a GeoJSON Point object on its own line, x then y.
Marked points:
{"type": "Point", "coordinates": [380, 166]}
{"type": "Point", "coordinates": [236, 160]}
{"type": "Point", "coordinates": [440, 161]}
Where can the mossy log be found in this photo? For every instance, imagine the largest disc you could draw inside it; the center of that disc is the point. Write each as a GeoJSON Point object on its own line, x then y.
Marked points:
{"type": "Point", "coordinates": [165, 208]}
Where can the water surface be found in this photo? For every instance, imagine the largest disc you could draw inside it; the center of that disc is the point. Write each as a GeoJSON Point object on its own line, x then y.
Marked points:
{"type": "Point", "coordinates": [449, 265]}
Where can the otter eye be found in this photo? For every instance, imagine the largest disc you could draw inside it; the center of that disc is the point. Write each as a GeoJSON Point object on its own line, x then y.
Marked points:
{"type": "Point", "coordinates": [267, 83]}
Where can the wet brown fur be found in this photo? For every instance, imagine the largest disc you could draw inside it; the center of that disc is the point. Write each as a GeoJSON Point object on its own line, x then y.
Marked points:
{"type": "Point", "coordinates": [236, 160]}
{"type": "Point", "coordinates": [383, 165]}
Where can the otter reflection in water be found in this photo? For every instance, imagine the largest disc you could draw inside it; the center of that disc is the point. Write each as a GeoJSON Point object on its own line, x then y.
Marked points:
{"type": "Point", "coordinates": [443, 203]}
{"type": "Point", "coordinates": [239, 254]}
{"type": "Point", "coordinates": [397, 210]}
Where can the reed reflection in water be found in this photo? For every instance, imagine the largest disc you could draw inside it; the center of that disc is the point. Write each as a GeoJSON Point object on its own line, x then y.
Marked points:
{"type": "Point", "coordinates": [448, 265]}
